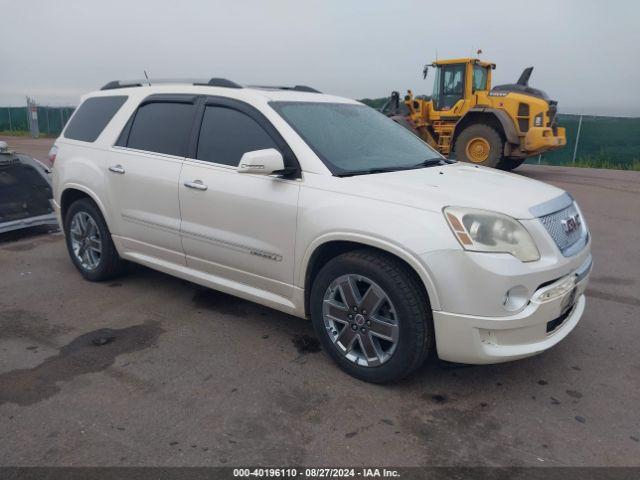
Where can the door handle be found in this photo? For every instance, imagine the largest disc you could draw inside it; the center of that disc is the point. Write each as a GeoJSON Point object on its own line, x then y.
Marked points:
{"type": "Point", "coordinates": [116, 169]}
{"type": "Point", "coordinates": [197, 184]}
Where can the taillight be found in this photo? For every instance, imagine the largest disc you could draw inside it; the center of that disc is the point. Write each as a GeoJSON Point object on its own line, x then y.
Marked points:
{"type": "Point", "coordinates": [52, 155]}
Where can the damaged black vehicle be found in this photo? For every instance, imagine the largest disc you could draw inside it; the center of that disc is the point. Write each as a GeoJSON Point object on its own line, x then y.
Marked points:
{"type": "Point", "coordinates": [25, 191]}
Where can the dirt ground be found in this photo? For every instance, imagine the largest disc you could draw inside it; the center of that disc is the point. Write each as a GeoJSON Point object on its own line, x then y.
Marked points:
{"type": "Point", "coordinates": [35, 147]}
{"type": "Point", "coordinates": [189, 376]}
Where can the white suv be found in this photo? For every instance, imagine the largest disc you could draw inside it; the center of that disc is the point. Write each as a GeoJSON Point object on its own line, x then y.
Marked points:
{"type": "Point", "coordinates": [321, 207]}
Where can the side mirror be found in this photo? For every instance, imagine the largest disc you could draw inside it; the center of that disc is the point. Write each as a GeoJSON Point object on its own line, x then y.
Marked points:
{"type": "Point", "coordinates": [261, 162]}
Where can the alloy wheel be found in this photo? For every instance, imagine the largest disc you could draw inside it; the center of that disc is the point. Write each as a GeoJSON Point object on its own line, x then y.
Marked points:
{"type": "Point", "coordinates": [361, 320]}
{"type": "Point", "coordinates": [85, 240]}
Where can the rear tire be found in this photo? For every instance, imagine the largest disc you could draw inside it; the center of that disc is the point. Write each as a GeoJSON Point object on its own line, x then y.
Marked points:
{"type": "Point", "coordinates": [386, 343]}
{"type": "Point", "coordinates": [89, 242]}
{"type": "Point", "coordinates": [479, 144]}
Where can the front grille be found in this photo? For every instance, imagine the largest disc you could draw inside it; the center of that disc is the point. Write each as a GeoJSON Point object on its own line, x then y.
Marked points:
{"type": "Point", "coordinates": [553, 224]}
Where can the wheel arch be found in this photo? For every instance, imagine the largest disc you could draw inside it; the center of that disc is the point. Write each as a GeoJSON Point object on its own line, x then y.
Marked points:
{"type": "Point", "coordinates": [328, 247]}
{"type": "Point", "coordinates": [74, 192]}
{"type": "Point", "coordinates": [497, 119]}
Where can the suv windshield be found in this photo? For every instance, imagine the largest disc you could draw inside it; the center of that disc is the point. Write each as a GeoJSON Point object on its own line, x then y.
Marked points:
{"type": "Point", "coordinates": [355, 139]}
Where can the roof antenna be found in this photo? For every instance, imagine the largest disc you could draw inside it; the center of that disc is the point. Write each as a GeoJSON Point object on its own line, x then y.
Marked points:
{"type": "Point", "coordinates": [147, 77]}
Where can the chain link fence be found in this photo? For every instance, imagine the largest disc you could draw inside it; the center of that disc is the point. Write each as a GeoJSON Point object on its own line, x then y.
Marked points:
{"type": "Point", "coordinates": [602, 142]}
{"type": "Point", "coordinates": [598, 142]}
{"type": "Point", "coordinates": [50, 120]}
{"type": "Point", "coordinates": [592, 141]}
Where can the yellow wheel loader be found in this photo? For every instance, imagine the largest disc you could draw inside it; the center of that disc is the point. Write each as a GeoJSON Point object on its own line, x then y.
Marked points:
{"type": "Point", "coordinates": [468, 120]}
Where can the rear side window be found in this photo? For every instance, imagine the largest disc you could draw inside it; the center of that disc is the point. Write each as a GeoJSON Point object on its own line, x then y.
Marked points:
{"type": "Point", "coordinates": [227, 134]}
{"type": "Point", "coordinates": [92, 116]}
{"type": "Point", "coordinates": [162, 127]}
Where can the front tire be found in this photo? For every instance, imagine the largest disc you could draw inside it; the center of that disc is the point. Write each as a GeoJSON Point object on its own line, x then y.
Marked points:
{"type": "Point", "coordinates": [372, 316]}
{"type": "Point", "coordinates": [89, 242]}
{"type": "Point", "coordinates": [479, 144]}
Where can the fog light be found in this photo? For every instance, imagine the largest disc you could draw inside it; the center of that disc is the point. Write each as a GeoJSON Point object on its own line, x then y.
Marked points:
{"type": "Point", "coordinates": [559, 289]}
{"type": "Point", "coordinates": [516, 298]}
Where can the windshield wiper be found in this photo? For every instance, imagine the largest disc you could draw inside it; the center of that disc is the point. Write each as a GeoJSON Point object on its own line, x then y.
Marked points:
{"type": "Point", "coordinates": [430, 162]}
{"type": "Point", "coordinates": [369, 171]}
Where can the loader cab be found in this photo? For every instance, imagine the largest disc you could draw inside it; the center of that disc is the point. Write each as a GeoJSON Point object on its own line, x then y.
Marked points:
{"type": "Point", "coordinates": [456, 80]}
{"type": "Point", "coordinates": [448, 85]}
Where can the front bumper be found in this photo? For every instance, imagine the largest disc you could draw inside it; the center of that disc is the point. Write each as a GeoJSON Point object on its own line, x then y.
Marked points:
{"type": "Point", "coordinates": [539, 326]}
{"type": "Point", "coordinates": [542, 139]}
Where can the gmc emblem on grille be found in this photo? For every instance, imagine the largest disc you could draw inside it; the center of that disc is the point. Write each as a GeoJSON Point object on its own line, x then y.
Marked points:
{"type": "Point", "coordinates": [571, 223]}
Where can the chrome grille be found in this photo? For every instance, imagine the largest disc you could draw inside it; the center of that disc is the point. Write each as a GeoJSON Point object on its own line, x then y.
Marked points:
{"type": "Point", "coordinates": [554, 225]}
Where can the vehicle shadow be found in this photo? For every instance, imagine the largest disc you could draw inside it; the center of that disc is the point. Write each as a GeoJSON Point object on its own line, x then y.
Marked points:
{"type": "Point", "coordinates": [28, 233]}
{"type": "Point", "coordinates": [208, 300]}
{"type": "Point", "coordinates": [436, 378]}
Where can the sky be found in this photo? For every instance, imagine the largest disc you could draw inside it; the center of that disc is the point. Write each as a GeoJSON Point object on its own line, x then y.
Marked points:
{"type": "Point", "coordinates": [586, 54]}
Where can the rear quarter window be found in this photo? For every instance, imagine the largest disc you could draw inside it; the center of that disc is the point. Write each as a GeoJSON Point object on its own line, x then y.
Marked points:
{"type": "Point", "coordinates": [92, 116]}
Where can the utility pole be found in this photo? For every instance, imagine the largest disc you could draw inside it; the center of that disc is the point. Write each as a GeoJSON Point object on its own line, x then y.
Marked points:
{"type": "Point", "coordinates": [32, 117]}
{"type": "Point", "coordinates": [575, 148]}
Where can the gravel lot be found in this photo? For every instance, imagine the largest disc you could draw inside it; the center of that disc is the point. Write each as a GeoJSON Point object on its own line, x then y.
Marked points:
{"type": "Point", "coordinates": [196, 377]}
{"type": "Point", "coordinates": [36, 147]}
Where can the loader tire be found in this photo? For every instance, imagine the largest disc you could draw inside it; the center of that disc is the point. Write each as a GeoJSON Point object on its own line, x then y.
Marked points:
{"type": "Point", "coordinates": [479, 144]}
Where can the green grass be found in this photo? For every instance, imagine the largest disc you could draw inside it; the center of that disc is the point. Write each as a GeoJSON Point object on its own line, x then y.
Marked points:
{"type": "Point", "coordinates": [595, 162]}
{"type": "Point", "coordinates": [23, 133]}
{"type": "Point", "coordinates": [14, 133]}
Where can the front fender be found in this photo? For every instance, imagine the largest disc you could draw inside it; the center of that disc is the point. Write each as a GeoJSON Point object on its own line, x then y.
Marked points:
{"type": "Point", "coordinates": [501, 116]}
{"type": "Point", "coordinates": [366, 240]}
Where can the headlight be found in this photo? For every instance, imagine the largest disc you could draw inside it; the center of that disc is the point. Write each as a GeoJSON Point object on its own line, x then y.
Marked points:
{"type": "Point", "coordinates": [537, 121]}
{"type": "Point", "coordinates": [486, 231]}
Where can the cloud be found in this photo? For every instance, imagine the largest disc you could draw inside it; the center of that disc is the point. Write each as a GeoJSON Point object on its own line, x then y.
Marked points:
{"type": "Point", "coordinates": [583, 51]}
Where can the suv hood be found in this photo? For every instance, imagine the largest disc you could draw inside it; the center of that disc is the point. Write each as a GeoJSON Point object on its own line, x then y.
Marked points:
{"type": "Point", "coordinates": [459, 184]}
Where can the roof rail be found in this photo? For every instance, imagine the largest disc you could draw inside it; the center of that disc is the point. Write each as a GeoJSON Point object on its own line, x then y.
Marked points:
{"type": "Point", "coordinates": [118, 84]}
{"type": "Point", "coordinates": [305, 88]}
{"type": "Point", "coordinates": [219, 82]}
{"type": "Point", "coordinates": [213, 82]}
{"type": "Point", "coordinates": [297, 88]}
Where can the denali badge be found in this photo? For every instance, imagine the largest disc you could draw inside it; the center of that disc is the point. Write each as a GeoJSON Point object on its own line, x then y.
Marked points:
{"type": "Point", "coordinates": [571, 223]}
